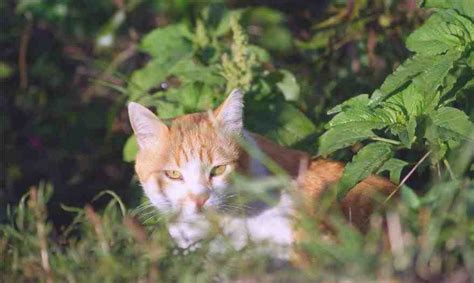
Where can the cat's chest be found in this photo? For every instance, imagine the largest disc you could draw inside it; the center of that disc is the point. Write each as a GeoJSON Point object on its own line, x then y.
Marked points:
{"type": "Point", "coordinates": [271, 229]}
{"type": "Point", "coordinates": [272, 225]}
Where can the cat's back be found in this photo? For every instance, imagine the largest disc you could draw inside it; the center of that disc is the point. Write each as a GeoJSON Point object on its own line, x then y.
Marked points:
{"type": "Point", "coordinates": [360, 201]}
{"type": "Point", "coordinates": [315, 176]}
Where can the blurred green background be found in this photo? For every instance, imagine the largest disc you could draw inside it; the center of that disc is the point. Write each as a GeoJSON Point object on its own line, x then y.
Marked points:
{"type": "Point", "coordinates": [64, 65]}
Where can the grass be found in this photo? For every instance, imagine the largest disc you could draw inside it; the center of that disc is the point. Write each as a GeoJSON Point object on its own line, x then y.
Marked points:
{"type": "Point", "coordinates": [429, 238]}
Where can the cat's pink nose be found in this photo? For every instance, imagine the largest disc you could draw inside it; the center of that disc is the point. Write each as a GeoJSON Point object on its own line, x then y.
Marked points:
{"type": "Point", "coordinates": [200, 200]}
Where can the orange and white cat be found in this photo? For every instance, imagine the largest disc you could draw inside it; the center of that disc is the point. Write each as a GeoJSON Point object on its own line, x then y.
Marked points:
{"type": "Point", "coordinates": [184, 168]}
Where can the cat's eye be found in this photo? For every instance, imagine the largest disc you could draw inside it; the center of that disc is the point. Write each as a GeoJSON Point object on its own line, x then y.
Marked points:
{"type": "Point", "coordinates": [218, 170]}
{"type": "Point", "coordinates": [173, 174]}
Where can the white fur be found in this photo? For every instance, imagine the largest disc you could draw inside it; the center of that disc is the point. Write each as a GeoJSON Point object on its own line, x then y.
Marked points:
{"type": "Point", "coordinates": [231, 114]}
{"type": "Point", "coordinates": [272, 225]}
{"type": "Point", "coordinates": [257, 169]}
{"type": "Point", "coordinates": [190, 225]}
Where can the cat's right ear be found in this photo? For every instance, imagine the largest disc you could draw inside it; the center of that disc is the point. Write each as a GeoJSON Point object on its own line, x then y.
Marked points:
{"type": "Point", "coordinates": [148, 128]}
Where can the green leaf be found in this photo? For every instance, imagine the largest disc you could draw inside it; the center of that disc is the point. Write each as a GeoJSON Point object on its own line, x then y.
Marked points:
{"type": "Point", "coordinates": [443, 31]}
{"type": "Point", "coordinates": [411, 68]}
{"type": "Point", "coordinates": [345, 135]}
{"type": "Point", "coordinates": [394, 166]}
{"type": "Point", "coordinates": [280, 121]}
{"type": "Point", "coordinates": [464, 7]}
{"type": "Point", "coordinates": [154, 73]}
{"type": "Point", "coordinates": [426, 73]}
{"type": "Point", "coordinates": [452, 122]}
{"type": "Point", "coordinates": [433, 77]}
{"type": "Point", "coordinates": [193, 97]}
{"type": "Point", "coordinates": [405, 106]}
{"type": "Point", "coordinates": [261, 54]}
{"type": "Point", "coordinates": [170, 42]}
{"type": "Point", "coordinates": [189, 98]}
{"type": "Point", "coordinates": [446, 127]}
{"type": "Point", "coordinates": [289, 86]}
{"type": "Point", "coordinates": [410, 101]}
{"type": "Point", "coordinates": [408, 136]}
{"type": "Point", "coordinates": [360, 101]}
{"type": "Point", "coordinates": [276, 38]}
{"type": "Point", "coordinates": [369, 159]}
{"type": "Point", "coordinates": [130, 149]}
{"type": "Point", "coordinates": [188, 71]}
{"type": "Point", "coordinates": [354, 116]}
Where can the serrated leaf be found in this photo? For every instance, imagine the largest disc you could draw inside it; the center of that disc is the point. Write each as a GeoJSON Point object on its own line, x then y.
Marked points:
{"type": "Point", "coordinates": [188, 71]}
{"type": "Point", "coordinates": [356, 110]}
{"type": "Point", "coordinates": [154, 73]}
{"type": "Point", "coordinates": [452, 122]}
{"type": "Point", "coordinates": [405, 132]}
{"type": "Point", "coordinates": [281, 122]}
{"type": "Point", "coordinates": [354, 116]}
{"type": "Point", "coordinates": [426, 72]}
{"type": "Point", "coordinates": [358, 101]}
{"type": "Point", "coordinates": [443, 31]}
{"type": "Point", "coordinates": [170, 42]}
{"type": "Point", "coordinates": [447, 126]}
{"type": "Point", "coordinates": [432, 78]}
{"type": "Point", "coordinates": [345, 135]}
{"type": "Point", "coordinates": [369, 159]}
{"type": "Point", "coordinates": [130, 149]}
{"type": "Point", "coordinates": [394, 166]}
{"type": "Point", "coordinates": [195, 97]}
{"type": "Point", "coordinates": [188, 98]}
{"type": "Point", "coordinates": [411, 68]}
{"type": "Point", "coordinates": [464, 7]}
{"type": "Point", "coordinates": [410, 101]}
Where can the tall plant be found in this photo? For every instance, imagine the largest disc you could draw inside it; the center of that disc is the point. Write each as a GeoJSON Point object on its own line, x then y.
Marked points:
{"type": "Point", "coordinates": [424, 105]}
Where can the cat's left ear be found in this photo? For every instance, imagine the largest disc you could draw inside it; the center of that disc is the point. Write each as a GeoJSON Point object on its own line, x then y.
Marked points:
{"type": "Point", "coordinates": [148, 128]}
{"type": "Point", "coordinates": [230, 113]}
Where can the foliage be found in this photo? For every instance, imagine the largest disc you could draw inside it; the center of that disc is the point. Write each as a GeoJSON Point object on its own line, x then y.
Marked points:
{"type": "Point", "coordinates": [196, 71]}
{"type": "Point", "coordinates": [411, 108]}
{"type": "Point", "coordinates": [436, 234]}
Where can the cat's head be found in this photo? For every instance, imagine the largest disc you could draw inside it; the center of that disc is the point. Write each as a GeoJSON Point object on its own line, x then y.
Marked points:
{"type": "Point", "coordinates": [184, 166]}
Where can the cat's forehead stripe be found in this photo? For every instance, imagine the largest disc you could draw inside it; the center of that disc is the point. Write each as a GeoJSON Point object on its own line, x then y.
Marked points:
{"type": "Point", "coordinates": [195, 137]}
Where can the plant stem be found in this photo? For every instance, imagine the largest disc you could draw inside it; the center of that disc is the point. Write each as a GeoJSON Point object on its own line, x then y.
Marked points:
{"type": "Point", "coordinates": [451, 173]}
{"type": "Point", "coordinates": [385, 140]}
{"type": "Point", "coordinates": [407, 176]}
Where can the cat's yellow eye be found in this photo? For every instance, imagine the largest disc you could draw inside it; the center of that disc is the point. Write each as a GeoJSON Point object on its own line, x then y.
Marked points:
{"type": "Point", "coordinates": [173, 174]}
{"type": "Point", "coordinates": [218, 170]}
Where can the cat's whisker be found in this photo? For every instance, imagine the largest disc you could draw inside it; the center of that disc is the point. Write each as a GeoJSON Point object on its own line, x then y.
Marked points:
{"type": "Point", "coordinates": [142, 208]}
{"type": "Point", "coordinates": [146, 217]}
{"type": "Point", "coordinates": [153, 216]}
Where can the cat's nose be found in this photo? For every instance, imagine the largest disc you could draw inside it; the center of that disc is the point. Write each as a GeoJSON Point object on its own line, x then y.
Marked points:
{"type": "Point", "coordinates": [200, 200]}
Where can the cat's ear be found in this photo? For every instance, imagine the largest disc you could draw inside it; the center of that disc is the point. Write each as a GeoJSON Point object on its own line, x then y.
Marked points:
{"type": "Point", "coordinates": [147, 127]}
{"type": "Point", "coordinates": [230, 113]}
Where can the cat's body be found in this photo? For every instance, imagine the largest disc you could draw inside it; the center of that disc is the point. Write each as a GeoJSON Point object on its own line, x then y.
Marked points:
{"type": "Point", "coordinates": [184, 169]}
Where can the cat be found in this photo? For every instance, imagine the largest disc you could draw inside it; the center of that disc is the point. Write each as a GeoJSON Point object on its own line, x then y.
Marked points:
{"type": "Point", "coordinates": [185, 169]}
